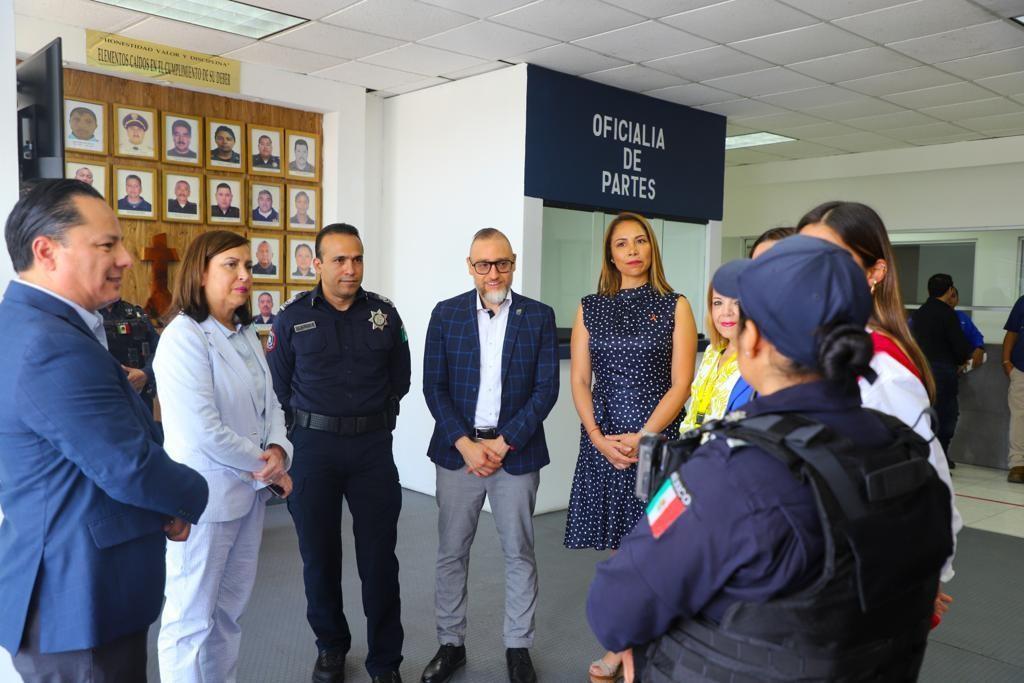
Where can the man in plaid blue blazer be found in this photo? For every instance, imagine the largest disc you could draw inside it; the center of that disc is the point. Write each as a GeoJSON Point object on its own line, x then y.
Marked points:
{"type": "Point", "coordinates": [490, 377]}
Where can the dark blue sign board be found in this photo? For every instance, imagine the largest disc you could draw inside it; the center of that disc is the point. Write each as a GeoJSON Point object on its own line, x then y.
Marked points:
{"type": "Point", "coordinates": [593, 145]}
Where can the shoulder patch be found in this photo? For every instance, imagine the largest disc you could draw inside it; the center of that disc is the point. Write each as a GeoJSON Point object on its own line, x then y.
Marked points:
{"type": "Point", "coordinates": [295, 297]}
{"type": "Point", "coordinates": [668, 504]}
{"type": "Point", "coordinates": [380, 297]}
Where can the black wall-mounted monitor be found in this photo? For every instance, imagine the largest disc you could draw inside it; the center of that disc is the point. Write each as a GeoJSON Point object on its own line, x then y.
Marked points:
{"type": "Point", "coordinates": [41, 114]}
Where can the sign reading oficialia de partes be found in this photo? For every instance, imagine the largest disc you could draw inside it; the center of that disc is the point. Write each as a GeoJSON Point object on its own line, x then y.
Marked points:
{"type": "Point", "coordinates": [594, 145]}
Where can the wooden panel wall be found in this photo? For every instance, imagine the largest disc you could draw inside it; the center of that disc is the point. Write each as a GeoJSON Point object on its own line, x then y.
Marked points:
{"type": "Point", "coordinates": [138, 234]}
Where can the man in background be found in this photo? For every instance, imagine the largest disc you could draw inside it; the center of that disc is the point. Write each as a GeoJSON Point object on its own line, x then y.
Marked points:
{"type": "Point", "coordinates": [1013, 366]}
{"type": "Point", "coordinates": [301, 160]}
{"type": "Point", "coordinates": [265, 302]}
{"type": "Point", "coordinates": [180, 203]}
{"type": "Point", "coordinates": [132, 340]}
{"type": "Point", "coordinates": [265, 211]}
{"type": "Point", "coordinates": [264, 157]}
{"type": "Point", "coordinates": [89, 495]}
{"type": "Point", "coordinates": [971, 331]}
{"type": "Point", "coordinates": [181, 134]}
{"type": "Point", "coordinates": [223, 208]}
{"type": "Point", "coordinates": [264, 260]}
{"type": "Point", "coordinates": [133, 199]}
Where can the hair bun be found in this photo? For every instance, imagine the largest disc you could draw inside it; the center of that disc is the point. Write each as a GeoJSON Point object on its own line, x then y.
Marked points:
{"type": "Point", "coordinates": [845, 351]}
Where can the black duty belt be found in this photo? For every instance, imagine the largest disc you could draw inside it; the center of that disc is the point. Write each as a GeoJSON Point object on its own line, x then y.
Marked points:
{"type": "Point", "coordinates": [489, 433]}
{"type": "Point", "coordinates": [346, 426]}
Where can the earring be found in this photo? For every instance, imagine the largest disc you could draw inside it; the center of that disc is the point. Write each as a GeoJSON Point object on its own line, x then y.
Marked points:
{"type": "Point", "coordinates": [873, 283]}
{"type": "Point", "coordinates": [747, 354]}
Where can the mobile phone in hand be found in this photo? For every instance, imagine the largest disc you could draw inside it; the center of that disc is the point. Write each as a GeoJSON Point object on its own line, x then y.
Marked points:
{"type": "Point", "coordinates": [276, 490]}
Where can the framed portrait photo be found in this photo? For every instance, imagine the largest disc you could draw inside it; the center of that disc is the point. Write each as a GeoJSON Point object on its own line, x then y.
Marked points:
{"type": "Point", "coordinates": [265, 204]}
{"type": "Point", "coordinates": [184, 195]}
{"type": "Point", "coordinates": [265, 150]}
{"type": "Point", "coordinates": [303, 152]}
{"type": "Point", "coordinates": [226, 199]}
{"type": "Point", "coordinates": [267, 264]}
{"type": "Point", "coordinates": [225, 145]}
{"type": "Point", "coordinates": [137, 133]}
{"type": "Point", "coordinates": [85, 127]}
{"type": "Point", "coordinates": [300, 260]}
{"type": "Point", "coordinates": [303, 208]}
{"type": "Point", "coordinates": [135, 190]}
{"type": "Point", "coordinates": [183, 139]}
{"type": "Point", "coordinates": [89, 173]}
{"type": "Point", "coordinates": [266, 301]}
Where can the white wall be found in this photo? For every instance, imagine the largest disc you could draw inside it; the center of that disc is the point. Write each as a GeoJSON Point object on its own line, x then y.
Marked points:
{"type": "Point", "coordinates": [454, 158]}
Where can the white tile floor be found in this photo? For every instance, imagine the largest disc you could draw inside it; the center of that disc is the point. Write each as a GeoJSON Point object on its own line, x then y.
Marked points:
{"type": "Point", "coordinates": [987, 501]}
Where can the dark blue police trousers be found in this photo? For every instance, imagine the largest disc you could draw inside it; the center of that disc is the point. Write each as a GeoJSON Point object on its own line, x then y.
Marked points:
{"type": "Point", "coordinates": [947, 402]}
{"type": "Point", "coordinates": [361, 469]}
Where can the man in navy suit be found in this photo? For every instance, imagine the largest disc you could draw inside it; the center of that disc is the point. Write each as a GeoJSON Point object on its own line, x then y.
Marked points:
{"type": "Point", "coordinates": [490, 377]}
{"type": "Point", "coordinates": [89, 495]}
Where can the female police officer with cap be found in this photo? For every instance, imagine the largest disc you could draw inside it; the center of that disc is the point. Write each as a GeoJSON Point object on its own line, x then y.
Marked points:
{"type": "Point", "coordinates": [812, 561]}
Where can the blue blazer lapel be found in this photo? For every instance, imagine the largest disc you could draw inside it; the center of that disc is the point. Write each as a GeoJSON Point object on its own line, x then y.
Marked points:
{"type": "Point", "coordinates": [30, 296]}
{"type": "Point", "coordinates": [515, 318]}
{"type": "Point", "coordinates": [471, 332]}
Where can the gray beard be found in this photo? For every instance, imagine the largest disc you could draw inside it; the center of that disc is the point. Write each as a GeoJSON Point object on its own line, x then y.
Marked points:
{"type": "Point", "coordinates": [495, 297]}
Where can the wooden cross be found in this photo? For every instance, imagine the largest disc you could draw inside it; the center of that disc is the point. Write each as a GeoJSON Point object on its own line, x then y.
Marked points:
{"type": "Point", "coordinates": [159, 255]}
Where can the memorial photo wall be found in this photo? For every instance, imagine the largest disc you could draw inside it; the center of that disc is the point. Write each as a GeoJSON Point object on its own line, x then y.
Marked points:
{"type": "Point", "coordinates": [177, 162]}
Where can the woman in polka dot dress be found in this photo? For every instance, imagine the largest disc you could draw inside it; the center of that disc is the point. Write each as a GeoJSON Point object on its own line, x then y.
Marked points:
{"type": "Point", "coordinates": [637, 339]}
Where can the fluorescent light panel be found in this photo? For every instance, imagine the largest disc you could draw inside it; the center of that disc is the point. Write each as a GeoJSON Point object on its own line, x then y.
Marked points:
{"type": "Point", "coordinates": [223, 15]}
{"type": "Point", "coordinates": [754, 139]}
{"type": "Point", "coordinates": [1019, 20]}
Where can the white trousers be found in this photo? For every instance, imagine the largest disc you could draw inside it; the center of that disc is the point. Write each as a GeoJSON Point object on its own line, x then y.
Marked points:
{"type": "Point", "coordinates": [209, 580]}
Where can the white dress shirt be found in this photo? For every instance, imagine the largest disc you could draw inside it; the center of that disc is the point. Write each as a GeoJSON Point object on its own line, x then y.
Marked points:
{"type": "Point", "coordinates": [92, 319]}
{"type": "Point", "coordinates": [492, 340]}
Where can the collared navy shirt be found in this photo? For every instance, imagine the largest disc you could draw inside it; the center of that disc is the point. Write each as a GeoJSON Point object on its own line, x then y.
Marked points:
{"type": "Point", "coordinates": [750, 533]}
{"type": "Point", "coordinates": [339, 363]}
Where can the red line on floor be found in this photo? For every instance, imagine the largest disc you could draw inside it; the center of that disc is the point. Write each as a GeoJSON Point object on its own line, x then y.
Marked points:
{"type": "Point", "coordinates": [990, 500]}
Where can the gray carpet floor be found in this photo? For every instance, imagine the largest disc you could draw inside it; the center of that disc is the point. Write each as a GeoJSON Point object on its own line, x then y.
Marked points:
{"type": "Point", "coordinates": [981, 639]}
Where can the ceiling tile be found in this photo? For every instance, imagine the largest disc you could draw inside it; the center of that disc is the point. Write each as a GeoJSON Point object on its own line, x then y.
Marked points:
{"type": "Point", "coordinates": [655, 9]}
{"type": "Point", "coordinates": [82, 13]}
{"type": "Point", "coordinates": [900, 81]}
{"type": "Point", "coordinates": [369, 76]}
{"type": "Point", "coordinates": [712, 62]}
{"type": "Point", "coordinates": [286, 58]}
{"type": "Point", "coordinates": [739, 19]}
{"type": "Point", "coordinates": [868, 106]}
{"type": "Point", "coordinates": [1004, 8]}
{"type": "Point", "coordinates": [402, 19]}
{"type": "Point", "coordinates": [644, 42]}
{"type": "Point", "coordinates": [801, 44]}
{"type": "Point", "coordinates": [967, 110]}
{"type": "Point", "coordinates": [569, 59]}
{"type": "Point", "coordinates": [742, 107]}
{"type": "Point", "coordinates": [734, 129]}
{"type": "Point", "coordinates": [914, 19]}
{"type": "Point", "coordinates": [692, 94]}
{"type": "Point", "coordinates": [479, 8]}
{"type": "Point", "coordinates": [810, 97]}
{"type": "Point", "coordinates": [333, 40]}
{"type": "Point", "coordinates": [747, 155]}
{"type": "Point", "coordinates": [928, 131]}
{"type": "Point", "coordinates": [308, 9]}
{"type": "Point", "coordinates": [412, 87]}
{"type": "Point", "coordinates": [186, 36]}
{"type": "Point", "coordinates": [634, 77]}
{"type": "Point", "coordinates": [815, 131]}
{"type": "Point", "coordinates": [859, 142]}
{"type": "Point", "coordinates": [773, 122]}
{"type": "Point", "coordinates": [803, 150]}
{"type": "Point", "coordinates": [476, 70]}
{"type": "Point", "coordinates": [982, 66]}
{"type": "Point", "coordinates": [883, 122]}
{"type": "Point", "coordinates": [421, 59]}
{"type": "Point", "coordinates": [568, 19]}
{"type": "Point", "coordinates": [834, 9]}
{"type": "Point", "coordinates": [965, 42]}
{"type": "Point", "coordinates": [488, 41]}
{"type": "Point", "coordinates": [764, 82]}
{"type": "Point", "coordinates": [943, 94]}
{"type": "Point", "coordinates": [959, 137]}
{"type": "Point", "coordinates": [1007, 84]}
{"type": "Point", "coordinates": [987, 124]}
{"type": "Point", "coordinates": [857, 64]}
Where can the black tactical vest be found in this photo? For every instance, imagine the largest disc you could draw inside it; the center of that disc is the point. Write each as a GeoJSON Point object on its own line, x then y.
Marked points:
{"type": "Point", "coordinates": [886, 519]}
{"type": "Point", "coordinates": [127, 329]}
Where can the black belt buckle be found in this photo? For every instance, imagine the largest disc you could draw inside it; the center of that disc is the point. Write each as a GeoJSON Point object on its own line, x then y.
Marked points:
{"type": "Point", "coordinates": [489, 433]}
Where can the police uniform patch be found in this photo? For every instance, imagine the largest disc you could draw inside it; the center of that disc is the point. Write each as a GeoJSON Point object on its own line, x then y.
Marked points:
{"type": "Point", "coordinates": [378, 319]}
{"type": "Point", "coordinates": [380, 297]}
{"type": "Point", "coordinates": [302, 327]}
{"type": "Point", "coordinates": [405, 337]}
{"type": "Point", "coordinates": [271, 341]}
{"type": "Point", "coordinates": [668, 505]}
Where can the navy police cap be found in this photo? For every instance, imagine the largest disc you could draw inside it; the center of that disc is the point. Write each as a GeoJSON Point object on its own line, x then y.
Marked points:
{"type": "Point", "coordinates": [796, 288]}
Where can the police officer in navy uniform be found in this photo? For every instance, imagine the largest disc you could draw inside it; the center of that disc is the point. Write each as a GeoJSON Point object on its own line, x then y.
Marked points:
{"type": "Point", "coordinates": [132, 340]}
{"type": "Point", "coordinates": [743, 568]}
{"type": "Point", "coordinates": [340, 361]}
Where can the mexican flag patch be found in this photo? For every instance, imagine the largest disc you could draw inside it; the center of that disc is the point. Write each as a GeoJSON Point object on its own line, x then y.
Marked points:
{"type": "Point", "coordinates": [667, 505]}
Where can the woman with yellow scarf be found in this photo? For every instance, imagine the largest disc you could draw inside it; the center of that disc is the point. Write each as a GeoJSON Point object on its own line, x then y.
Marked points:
{"type": "Point", "coordinates": [718, 372]}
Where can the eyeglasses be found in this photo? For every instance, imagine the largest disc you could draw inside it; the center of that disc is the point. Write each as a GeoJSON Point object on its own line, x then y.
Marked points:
{"type": "Point", "coordinates": [484, 267]}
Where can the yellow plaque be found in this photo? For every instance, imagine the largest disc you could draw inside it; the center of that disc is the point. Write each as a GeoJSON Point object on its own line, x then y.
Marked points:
{"type": "Point", "coordinates": [163, 62]}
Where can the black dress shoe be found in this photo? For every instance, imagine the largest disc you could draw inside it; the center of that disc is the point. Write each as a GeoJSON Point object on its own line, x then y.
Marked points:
{"type": "Point", "coordinates": [389, 677]}
{"type": "Point", "coordinates": [520, 667]}
{"type": "Point", "coordinates": [445, 662]}
{"type": "Point", "coordinates": [330, 667]}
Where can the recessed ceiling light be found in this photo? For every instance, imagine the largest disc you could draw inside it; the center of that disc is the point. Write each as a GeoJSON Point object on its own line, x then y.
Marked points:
{"type": "Point", "coordinates": [1019, 20]}
{"type": "Point", "coordinates": [223, 15]}
{"type": "Point", "coordinates": [754, 139]}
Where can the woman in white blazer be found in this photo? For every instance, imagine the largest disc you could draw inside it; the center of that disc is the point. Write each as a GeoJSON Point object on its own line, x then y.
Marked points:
{"type": "Point", "coordinates": [222, 418]}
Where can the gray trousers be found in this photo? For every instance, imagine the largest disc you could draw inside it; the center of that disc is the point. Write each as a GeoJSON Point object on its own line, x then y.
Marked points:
{"type": "Point", "coordinates": [460, 497]}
